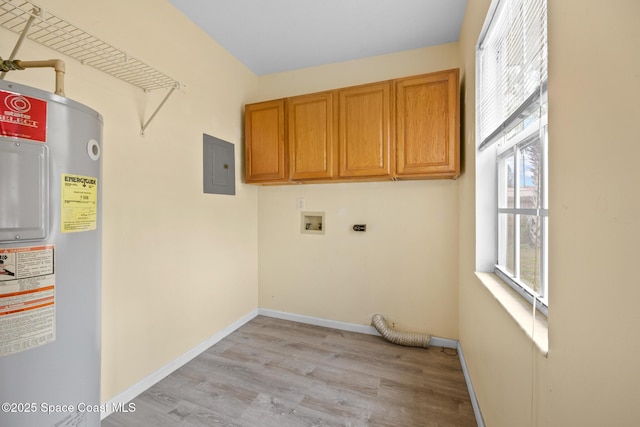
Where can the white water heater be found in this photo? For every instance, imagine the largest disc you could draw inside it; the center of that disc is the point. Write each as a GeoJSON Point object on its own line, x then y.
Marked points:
{"type": "Point", "coordinates": [50, 259]}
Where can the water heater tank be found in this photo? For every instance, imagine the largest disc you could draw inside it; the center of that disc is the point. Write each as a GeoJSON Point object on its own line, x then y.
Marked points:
{"type": "Point", "coordinates": [50, 259]}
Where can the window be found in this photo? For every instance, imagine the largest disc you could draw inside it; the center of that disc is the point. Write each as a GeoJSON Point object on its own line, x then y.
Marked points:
{"type": "Point", "coordinates": [511, 60]}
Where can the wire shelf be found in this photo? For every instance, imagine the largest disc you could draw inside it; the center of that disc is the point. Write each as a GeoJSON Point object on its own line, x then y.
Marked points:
{"type": "Point", "coordinates": [64, 37]}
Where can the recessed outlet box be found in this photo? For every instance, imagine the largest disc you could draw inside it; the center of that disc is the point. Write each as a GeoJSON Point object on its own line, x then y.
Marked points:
{"type": "Point", "coordinates": [312, 223]}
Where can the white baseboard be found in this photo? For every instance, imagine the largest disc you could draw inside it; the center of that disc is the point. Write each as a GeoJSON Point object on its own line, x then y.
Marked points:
{"type": "Point", "coordinates": [443, 342]}
{"type": "Point", "coordinates": [317, 321]}
{"type": "Point", "coordinates": [472, 393]}
{"type": "Point", "coordinates": [121, 399]}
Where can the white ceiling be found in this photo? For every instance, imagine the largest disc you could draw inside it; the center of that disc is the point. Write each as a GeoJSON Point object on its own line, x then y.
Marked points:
{"type": "Point", "coordinates": [271, 36]}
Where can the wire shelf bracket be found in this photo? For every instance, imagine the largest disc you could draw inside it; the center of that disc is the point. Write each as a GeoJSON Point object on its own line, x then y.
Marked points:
{"type": "Point", "coordinates": [29, 20]}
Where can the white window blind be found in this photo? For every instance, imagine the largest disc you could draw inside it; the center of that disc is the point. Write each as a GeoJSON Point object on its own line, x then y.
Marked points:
{"type": "Point", "coordinates": [512, 61]}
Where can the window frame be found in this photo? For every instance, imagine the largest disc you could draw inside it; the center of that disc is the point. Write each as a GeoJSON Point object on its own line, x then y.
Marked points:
{"type": "Point", "coordinates": [491, 149]}
{"type": "Point", "coordinates": [536, 132]}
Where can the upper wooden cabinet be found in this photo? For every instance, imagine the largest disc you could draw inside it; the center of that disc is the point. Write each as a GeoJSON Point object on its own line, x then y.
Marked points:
{"type": "Point", "coordinates": [365, 130]}
{"type": "Point", "coordinates": [401, 129]}
{"type": "Point", "coordinates": [264, 142]}
{"type": "Point", "coordinates": [427, 125]}
{"type": "Point", "coordinates": [312, 140]}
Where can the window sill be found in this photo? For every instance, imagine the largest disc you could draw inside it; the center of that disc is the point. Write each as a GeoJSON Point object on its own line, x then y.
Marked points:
{"type": "Point", "coordinates": [519, 310]}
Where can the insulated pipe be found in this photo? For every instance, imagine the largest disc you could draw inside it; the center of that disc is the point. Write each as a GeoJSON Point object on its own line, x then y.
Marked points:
{"type": "Point", "coordinates": [411, 339]}
{"type": "Point", "coordinates": [56, 64]}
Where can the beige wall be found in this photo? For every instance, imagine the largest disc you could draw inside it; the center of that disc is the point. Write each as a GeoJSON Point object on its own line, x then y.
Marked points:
{"type": "Point", "coordinates": [360, 71]}
{"type": "Point", "coordinates": [178, 265]}
{"type": "Point", "coordinates": [590, 377]}
{"type": "Point", "coordinates": [404, 265]}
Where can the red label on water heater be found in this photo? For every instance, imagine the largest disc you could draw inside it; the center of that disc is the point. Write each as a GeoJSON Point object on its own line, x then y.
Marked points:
{"type": "Point", "coordinates": [23, 117]}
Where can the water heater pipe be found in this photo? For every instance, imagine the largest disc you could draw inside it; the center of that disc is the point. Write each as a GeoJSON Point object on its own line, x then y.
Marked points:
{"type": "Point", "coordinates": [56, 64]}
{"type": "Point", "coordinates": [411, 339]}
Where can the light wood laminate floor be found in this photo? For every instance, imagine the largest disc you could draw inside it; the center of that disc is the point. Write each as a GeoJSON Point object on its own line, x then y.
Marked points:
{"type": "Point", "coordinates": [277, 373]}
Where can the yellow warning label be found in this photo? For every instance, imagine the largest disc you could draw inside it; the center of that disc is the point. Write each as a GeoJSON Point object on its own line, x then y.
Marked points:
{"type": "Point", "coordinates": [79, 205]}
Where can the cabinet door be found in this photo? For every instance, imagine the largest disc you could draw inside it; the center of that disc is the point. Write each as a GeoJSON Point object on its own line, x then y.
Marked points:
{"type": "Point", "coordinates": [365, 130]}
{"type": "Point", "coordinates": [264, 138]}
{"type": "Point", "coordinates": [311, 138]}
{"type": "Point", "coordinates": [428, 125]}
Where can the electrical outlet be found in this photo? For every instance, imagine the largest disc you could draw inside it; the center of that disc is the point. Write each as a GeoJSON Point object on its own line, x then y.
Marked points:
{"type": "Point", "coordinates": [300, 203]}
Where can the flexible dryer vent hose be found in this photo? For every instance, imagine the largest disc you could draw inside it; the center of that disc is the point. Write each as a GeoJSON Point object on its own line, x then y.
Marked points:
{"type": "Point", "coordinates": [411, 339]}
